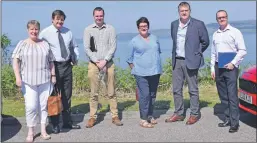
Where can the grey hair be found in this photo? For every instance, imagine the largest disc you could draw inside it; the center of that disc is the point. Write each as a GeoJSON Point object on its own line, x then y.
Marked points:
{"type": "Point", "coordinates": [33, 22]}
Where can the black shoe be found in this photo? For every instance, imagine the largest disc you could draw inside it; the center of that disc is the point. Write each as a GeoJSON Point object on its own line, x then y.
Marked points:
{"type": "Point", "coordinates": [233, 129]}
{"type": "Point", "coordinates": [224, 124]}
{"type": "Point", "coordinates": [70, 126]}
{"type": "Point", "coordinates": [56, 130]}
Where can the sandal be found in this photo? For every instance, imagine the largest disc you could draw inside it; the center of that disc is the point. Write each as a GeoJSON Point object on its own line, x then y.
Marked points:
{"type": "Point", "coordinates": [45, 136]}
{"type": "Point", "coordinates": [153, 121]}
{"type": "Point", "coordinates": [30, 138]}
{"type": "Point", "coordinates": [145, 124]}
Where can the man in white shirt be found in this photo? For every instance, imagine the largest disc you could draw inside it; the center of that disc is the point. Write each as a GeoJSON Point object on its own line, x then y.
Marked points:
{"type": "Point", "coordinates": [227, 39]}
{"type": "Point", "coordinates": [66, 54]}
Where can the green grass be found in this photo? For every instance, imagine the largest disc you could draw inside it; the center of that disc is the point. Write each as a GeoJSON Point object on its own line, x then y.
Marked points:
{"type": "Point", "coordinates": [126, 102]}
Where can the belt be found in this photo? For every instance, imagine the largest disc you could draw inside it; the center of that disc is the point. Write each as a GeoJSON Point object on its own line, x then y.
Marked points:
{"type": "Point", "coordinates": [63, 62]}
{"type": "Point", "coordinates": [92, 62]}
{"type": "Point", "coordinates": [180, 58]}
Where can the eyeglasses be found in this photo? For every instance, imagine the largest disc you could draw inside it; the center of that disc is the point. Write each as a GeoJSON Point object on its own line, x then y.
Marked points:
{"type": "Point", "coordinates": [222, 17]}
{"type": "Point", "coordinates": [144, 26]}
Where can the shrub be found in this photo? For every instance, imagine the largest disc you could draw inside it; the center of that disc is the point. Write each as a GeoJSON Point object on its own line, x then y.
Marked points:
{"type": "Point", "coordinates": [8, 81]}
{"type": "Point", "coordinates": [125, 82]}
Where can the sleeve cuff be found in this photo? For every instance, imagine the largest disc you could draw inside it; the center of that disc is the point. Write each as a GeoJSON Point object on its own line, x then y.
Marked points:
{"type": "Point", "coordinates": [107, 59]}
{"type": "Point", "coordinates": [130, 61]}
{"type": "Point", "coordinates": [234, 62]}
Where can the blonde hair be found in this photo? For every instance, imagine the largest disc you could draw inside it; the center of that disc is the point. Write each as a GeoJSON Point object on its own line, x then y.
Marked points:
{"type": "Point", "coordinates": [33, 22]}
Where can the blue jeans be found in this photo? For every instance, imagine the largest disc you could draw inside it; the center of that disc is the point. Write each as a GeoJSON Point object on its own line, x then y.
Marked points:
{"type": "Point", "coordinates": [147, 89]}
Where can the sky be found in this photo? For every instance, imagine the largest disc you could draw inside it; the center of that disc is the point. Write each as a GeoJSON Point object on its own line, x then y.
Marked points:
{"type": "Point", "coordinates": [121, 14]}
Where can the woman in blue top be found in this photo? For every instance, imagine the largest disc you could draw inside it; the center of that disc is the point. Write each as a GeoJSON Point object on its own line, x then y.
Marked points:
{"type": "Point", "coordinates": [145, 62]}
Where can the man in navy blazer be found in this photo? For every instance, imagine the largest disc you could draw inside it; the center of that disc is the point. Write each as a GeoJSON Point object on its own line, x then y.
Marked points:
{"type": "Point", "coordinates": [190, 40]}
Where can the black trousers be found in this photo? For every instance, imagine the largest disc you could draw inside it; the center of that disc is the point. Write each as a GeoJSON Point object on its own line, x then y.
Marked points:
{"type": "Point", "coordinates": [226, 82]}
{"type": "Point", "coordinates": [63, 71]}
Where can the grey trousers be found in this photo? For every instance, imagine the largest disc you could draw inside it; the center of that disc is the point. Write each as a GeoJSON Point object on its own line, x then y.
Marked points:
{"type": "Point", "coordinates": [179, 74]}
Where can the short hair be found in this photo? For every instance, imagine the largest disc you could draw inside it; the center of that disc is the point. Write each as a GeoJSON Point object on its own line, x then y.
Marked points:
{"type": "Point", "coordinates": [98, 9]}
{"type": "Point", "coordinates": [33, 22]}
{"type": "Point", "coordinates": [221, 11]}
{"type": "Point", "coordinates": [184, 4]}
{"type": "Point", "coordinates": [58, 13]}
{"type": "Point", "coordinates": [143, 20]}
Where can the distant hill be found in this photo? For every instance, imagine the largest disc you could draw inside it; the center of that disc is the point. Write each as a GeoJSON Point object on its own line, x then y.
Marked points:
{"type": "Point", "coordinates": [244, 26]}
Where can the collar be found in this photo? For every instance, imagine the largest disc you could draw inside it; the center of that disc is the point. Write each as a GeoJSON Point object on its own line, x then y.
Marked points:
{"type": "Point", "coordinates": [186, 23]}
{"type": "Point", "coordinates": [96, 26]}
{"type": "Point", "coordinates": [228, 27]}
{"type": "Point", "coordinates": [56, 28]}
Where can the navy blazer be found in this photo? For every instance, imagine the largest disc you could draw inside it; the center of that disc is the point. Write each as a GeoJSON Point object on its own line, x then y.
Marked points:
{"type": "Point", "coordinates": [196, 42]}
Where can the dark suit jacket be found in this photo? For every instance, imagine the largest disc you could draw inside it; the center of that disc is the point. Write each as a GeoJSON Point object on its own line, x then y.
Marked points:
{"type": "Point", "coordinates": [73, 56]}
{"type": "Point", "coordinates": [196, 42]}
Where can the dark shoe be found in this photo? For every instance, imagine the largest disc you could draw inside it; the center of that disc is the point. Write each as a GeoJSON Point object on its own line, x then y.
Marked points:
{"type": "Point", "coordinates": [116, 121]}
{"type": "Point", "coordinates": [56, 130]}
{"type": "Point", "coordinates": [70, 126]}
{"type": "Point", "coordinates": [233, 129]}
{"type": "Point", "coordinates": [175, 118]}
{"type": "Point", "coordinates": [224, 124]}
{"type": "Point", "coordinates": [91, 122]}
{"type": "Point", "coordinates": [192, 120]}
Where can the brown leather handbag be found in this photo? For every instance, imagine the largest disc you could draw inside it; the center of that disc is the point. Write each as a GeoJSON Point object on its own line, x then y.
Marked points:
{"type": "Point", "coordinates": [54, 103]}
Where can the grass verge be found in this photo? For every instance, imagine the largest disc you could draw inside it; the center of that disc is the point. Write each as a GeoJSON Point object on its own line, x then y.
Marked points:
{"type": "Point", "coordinates": [126, 102]}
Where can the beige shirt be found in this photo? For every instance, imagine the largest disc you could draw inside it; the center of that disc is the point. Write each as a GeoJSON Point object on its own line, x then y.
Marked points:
{"type": "Point", "coordinates": [105, 42]}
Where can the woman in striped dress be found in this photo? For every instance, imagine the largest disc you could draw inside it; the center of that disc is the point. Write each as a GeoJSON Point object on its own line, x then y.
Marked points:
{"type": "Point", "coordinates": [34, 71]}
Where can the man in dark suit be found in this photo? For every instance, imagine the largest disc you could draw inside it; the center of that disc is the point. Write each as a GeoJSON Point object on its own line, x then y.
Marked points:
{"type": "Point", "coordinates": [190, 40]}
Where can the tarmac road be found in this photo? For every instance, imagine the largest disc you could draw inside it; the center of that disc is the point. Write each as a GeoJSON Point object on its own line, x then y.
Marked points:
{"type": "Point", "coordinates": [206, 130]}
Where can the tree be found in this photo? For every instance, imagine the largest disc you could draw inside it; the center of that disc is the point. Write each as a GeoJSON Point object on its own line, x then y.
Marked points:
{"type": "Point", "coordinates": [5, 42]}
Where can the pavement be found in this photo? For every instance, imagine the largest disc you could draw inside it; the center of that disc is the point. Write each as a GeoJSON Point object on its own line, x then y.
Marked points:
{"type": "Point", "coordinates": [205, 130]}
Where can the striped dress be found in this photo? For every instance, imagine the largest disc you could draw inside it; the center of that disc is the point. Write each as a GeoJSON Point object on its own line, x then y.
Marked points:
{"type": "Point", "coordinates": [34, 60]}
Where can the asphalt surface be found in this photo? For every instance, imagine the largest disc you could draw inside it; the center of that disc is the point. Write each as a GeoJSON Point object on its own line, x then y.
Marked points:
{"type": "Point", "coordinates": [206, 130]}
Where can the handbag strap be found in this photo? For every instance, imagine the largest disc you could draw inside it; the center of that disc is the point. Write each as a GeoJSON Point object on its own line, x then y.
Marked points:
{"type": "Point", "coordinates": [54, 88]}
{"type": "Point", "coordinates": [50, 89]}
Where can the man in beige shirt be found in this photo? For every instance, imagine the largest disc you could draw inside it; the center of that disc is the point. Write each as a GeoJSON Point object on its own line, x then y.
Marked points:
{"type": "Point", "coordinates": [103, 37]}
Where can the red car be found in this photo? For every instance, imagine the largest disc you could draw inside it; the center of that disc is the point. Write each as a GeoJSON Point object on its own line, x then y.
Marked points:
{"type": "Point", "coordinates": [248, 90]}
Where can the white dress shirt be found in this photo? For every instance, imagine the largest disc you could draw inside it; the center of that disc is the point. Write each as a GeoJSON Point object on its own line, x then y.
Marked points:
{"type": "Point", "coordinates": [228, 40]}
{"type": "Point", "coordinates": [50, 34]}
{"type": "Point", "coordinates": [181, 39]}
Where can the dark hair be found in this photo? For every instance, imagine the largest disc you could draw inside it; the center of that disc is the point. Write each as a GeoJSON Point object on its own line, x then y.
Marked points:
{"type": "Point", "coordinates": [143, 20]}
{"type": "Point", "coordinates": [98, 9]}
{"type": "Point", "coordinates": [59, 13]}
{"type": "Point", "coordinates": [184, 4]}
{"type": "Point", "coordinates": [33, 22]}
{"type": "Point", "coordinates": [221, 11]}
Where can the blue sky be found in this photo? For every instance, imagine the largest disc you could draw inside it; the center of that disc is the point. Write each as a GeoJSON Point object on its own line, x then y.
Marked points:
{"type": "Point", "coordinates": [121, 14]}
